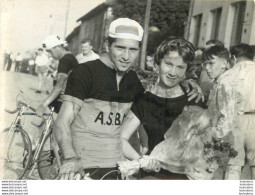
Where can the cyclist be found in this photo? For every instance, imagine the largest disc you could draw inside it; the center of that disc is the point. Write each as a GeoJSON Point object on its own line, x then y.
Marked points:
{"type": "Point", "coordinates": [54, 45]}
{"type": "Point", "coordinates": [98, 97]}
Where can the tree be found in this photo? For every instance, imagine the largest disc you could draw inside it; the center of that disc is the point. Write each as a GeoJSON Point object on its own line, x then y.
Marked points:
{"type": "Point", "coordinates": [168, 16]}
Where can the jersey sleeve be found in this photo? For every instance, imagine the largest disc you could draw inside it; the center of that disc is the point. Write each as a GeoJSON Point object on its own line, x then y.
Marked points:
{"type": "Point", "coordinates": [66, 65]}
{"type": "Point", "coordinates": [138, 108]}
{"type": "Point", "coordinates": [78, 85]}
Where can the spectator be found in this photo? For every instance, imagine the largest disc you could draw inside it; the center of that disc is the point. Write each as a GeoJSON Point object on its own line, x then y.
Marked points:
{"type": "Point", "coordinates": [42, 62]}
{"type": "Point", "coordinates": [243, 79]}
{"type": "Point", "coordinates": [31, 64]}
{"type": "Point", "coordinates": [205, 82]}
{"type": "Point", "coordinates": [6, 58]}
{"type": "Point", "coordinates": [24, 63]}
{"type": "Point", "coordinates": [18, 60]}
{"type": "Point", "coordinates": [87, 53]}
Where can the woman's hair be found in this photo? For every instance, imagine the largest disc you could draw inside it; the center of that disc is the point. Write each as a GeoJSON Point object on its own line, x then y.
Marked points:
{"type": "Point", "coordinates": [242, 50]}
{"type": "Point", "coordinates": [184, 48]}
{"type": "Point", "coordinates": [218, 51]}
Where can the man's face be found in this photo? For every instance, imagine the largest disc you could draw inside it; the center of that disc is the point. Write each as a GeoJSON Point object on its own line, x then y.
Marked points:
{"type": "Point", "coordinates": [55, 52]}
{"type": "Point", "coordinates": [149, 62]}
{"type": "Point", "coordinates": [86, 48]}
{"type": "Point", "coordinates": [124, 53]}
{"type": "Point", "coordinates": [172, 70]}
{"type": "Point", "coordinates": [40, 52]}
{"type": "Point", "coordinates": [215, 67]}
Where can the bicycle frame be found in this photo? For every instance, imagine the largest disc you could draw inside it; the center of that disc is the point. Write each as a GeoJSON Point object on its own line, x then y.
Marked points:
{"type": "Point", "coordinates": [47, 130]}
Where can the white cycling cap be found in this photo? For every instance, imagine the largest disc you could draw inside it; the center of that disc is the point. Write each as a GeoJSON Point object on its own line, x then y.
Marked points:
{"type": "Point", "coordinates": [125, 28]}
{"type": "Point", "coordinates": [52, 41]}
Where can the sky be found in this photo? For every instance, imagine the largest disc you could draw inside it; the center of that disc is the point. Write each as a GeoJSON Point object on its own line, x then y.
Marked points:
{"type": "Point", "coordinates": [25, 23]}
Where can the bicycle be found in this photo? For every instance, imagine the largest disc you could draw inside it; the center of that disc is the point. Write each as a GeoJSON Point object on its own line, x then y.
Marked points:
{"type": "Point", "coordinates": [22, 152]}
{"type": "Point", "coordinates": [18, 136]}
{"type": "Point", "coordinates": [46, 155]}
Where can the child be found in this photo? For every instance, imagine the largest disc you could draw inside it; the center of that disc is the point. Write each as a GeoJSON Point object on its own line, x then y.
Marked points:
{"type": "Point", "coordinates": [222, 102]}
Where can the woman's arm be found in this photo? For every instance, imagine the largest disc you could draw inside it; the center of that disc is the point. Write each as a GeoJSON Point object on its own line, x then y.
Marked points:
{"type": "Point", "coordinates": [129, 126]}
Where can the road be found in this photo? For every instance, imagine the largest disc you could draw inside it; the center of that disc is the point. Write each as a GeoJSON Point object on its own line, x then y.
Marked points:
{"type": "Point", "coordinates": [12, 83]}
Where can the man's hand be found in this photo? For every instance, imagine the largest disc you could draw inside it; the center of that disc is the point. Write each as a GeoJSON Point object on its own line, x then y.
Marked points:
{"type": "Point", "coordinates": [196, 91]}
{"type": "Point", "coordinates": [148, 164]}
{"type": "Point", "coordinates": [69, 169]}
{"type": "Point", "coordinates": [144, 150]}
{"type": "Point", "coordinates": [40, 110]}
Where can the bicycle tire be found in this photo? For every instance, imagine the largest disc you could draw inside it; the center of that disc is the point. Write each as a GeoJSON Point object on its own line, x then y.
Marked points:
{"type": "Point", "coordinates": [18, 147]}
{"type": "Point", "coordinates": [47, 163]}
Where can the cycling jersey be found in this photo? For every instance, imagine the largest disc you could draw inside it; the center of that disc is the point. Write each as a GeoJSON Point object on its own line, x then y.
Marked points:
{"type": "Point", "coordinates": [104, 105]}
{"type": "Point", "coordinates": [65, 66]}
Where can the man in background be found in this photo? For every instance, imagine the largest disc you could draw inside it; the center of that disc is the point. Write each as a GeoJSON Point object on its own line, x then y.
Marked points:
{"type": "Point", "coordinates": [55, 46]}
{"type": "Point", "coordinates": [87, 53]}
{"type": "Point", "coordinates": [41, 62]}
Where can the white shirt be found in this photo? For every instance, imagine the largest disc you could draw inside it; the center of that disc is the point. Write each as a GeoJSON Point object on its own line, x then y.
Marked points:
{"type": "Point", "coordinates": [42, 60]}
{"type": "Point", "coordinates": [31, 62]}
{"type": "Point", "coordinates": [19, 58]}
{"type": "Point", "coordinates": [85, 58]}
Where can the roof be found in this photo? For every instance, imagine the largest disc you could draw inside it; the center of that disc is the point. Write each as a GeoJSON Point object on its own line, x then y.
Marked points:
{"type": "Point", "coordinates": [73, 33]}
{"type": "Point", "coordinates": [94, 11]}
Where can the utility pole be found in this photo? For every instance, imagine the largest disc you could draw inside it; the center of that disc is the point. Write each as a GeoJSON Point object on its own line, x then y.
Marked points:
{"type": "Point", "coordinates": [145, 36]}
{"type": "Point", "coordinates": [67, 13]}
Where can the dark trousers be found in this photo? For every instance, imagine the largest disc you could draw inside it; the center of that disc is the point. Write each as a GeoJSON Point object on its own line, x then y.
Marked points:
{"type": "Point", "coordinates": [17, 66]}
{"type": "Point", "coordinates": [162, 175]}
{"type": "Point", "coordinates": [32, 69]}
{"type": "Point", "coordinates": [9, 65]}
{"type": "Point", "coordinates": [104, 173]}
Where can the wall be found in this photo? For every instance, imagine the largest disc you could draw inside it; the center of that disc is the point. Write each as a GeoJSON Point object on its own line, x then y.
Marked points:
{"type": "Point", "coordinates": [226, 23]}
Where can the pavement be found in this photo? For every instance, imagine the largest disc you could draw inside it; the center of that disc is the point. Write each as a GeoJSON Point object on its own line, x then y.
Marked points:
{"type": "Point", "coordinates": [11, 84]}
{"type": "Point", "coordinates": [18, 86]}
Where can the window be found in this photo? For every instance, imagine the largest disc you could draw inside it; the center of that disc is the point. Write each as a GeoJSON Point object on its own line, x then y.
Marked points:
{"type": "Point", "coordinates": [216, 18]}
{"type": "Point", "coordinates": [197, 27]}
{"type": "Point", "coordinates": [239, 11]}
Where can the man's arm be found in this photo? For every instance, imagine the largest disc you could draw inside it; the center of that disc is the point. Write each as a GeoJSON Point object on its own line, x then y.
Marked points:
{"type": "Point", "coordinates": [61, 79]}
{"type": "Point", "coordinates": [62, 130]}
{"type": "Point", "coordinates": [128, 127]}
{"type": "Point", "coordinates": [196, 91]}
{"type": "Point", "coordinates": [226, 94]}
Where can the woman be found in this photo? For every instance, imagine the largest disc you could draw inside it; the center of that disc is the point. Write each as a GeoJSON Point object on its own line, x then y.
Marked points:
{"type": "Point", "coordinates": [158, 107]}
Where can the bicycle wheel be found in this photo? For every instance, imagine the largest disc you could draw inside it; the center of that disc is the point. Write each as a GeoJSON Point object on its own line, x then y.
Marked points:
{"type": "Point", "coordinates": [47, 162]}
{"type": "Point", "coordinates": [17, 145]}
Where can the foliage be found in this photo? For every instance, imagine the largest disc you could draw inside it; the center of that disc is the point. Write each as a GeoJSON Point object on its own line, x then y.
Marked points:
{"type": "Point", "coordinates": [169, 16]}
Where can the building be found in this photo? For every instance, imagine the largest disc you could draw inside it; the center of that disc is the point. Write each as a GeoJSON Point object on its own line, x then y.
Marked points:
{"type": "Point", "coordinates": [94, 25]}
{"type": "Point", "coordinates": [229, 21]}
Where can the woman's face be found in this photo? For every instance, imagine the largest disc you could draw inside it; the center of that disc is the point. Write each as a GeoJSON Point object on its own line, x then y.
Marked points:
{"type": "Point", "coordinates": [172, 70]}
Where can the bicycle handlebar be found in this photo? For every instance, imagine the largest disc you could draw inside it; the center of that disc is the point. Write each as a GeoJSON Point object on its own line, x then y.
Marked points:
{"type": "Point", "coordinates": [26, 105]}
{"type": "Point", "coordinates": [11, 112]}
{"type": "Point", "coordinates": [19, 105]}
{"type": "Point", "coordinates": [33, 113]}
